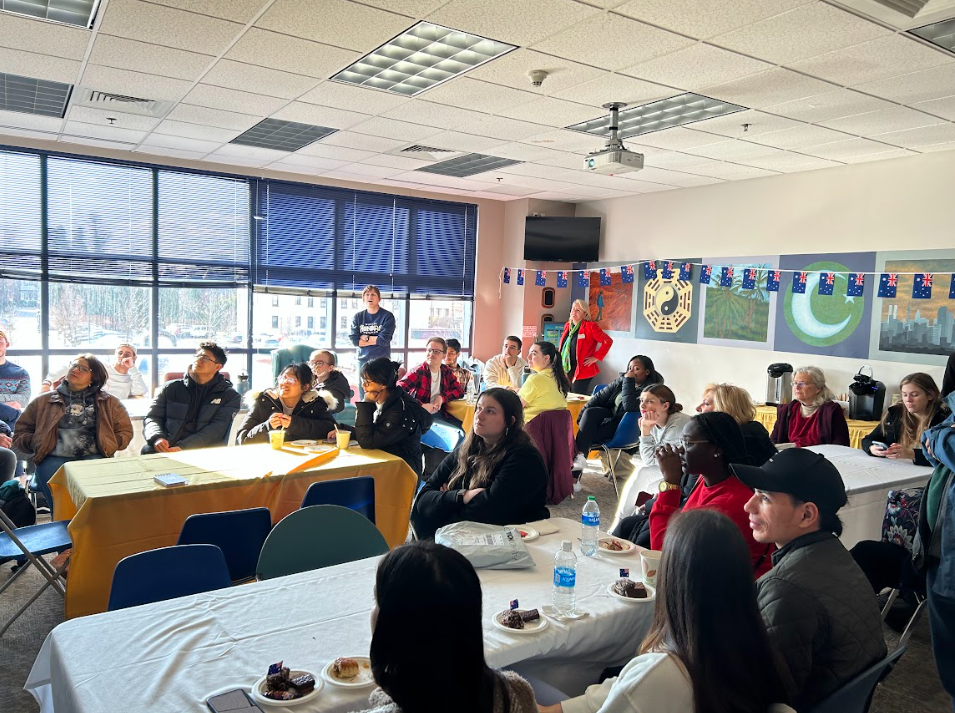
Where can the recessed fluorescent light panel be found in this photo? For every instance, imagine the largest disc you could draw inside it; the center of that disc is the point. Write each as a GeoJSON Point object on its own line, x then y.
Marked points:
{"type": "Point", "coordinates": [421, 57]}
{"type": "Point", "coordinates": [33, 96]}
{"type": "Point", "coordinates": [468, 165]}
{"type": "Point", "coordinates": [939, 33]}
{"type": "Point", "coordinates": [664, 114]}
{"type": "Point", "coordinates": [68, 12]}
{"type": "Point", "coordinates": [282, 135]}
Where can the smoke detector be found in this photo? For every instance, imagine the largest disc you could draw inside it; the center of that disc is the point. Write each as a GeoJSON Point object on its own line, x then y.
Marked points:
{"type": "Point", "coordinates": [537, 76]}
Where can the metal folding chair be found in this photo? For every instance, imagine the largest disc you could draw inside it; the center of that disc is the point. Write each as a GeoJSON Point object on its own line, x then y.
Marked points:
{"type": "Point", "coordinates": [626, 436]}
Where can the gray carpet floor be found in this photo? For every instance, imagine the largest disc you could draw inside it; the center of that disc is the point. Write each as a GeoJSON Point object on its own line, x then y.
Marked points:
{"type": "Point", "coordinates": [912, 687]}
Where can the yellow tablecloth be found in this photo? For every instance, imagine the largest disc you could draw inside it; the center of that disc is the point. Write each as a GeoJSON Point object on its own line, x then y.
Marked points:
{"type": "Point", "coordinates": [858, 430]}
{"type": "Point", "coordinates": [117, 509]}
{"type": "Point", "coordinates": [464, 411]}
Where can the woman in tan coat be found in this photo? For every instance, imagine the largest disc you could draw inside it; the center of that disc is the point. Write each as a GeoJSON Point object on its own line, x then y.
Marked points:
{"type": "Point", "coordinates": [75, 421]}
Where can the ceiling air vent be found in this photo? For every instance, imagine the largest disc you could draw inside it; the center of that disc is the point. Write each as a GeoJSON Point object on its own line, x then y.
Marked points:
{"type": "Point", "coordinates": [909, 8]}
{"type": "Point", "coordinates": [424, 153]}
{"type": "Point", "coordinates": [122, 103]}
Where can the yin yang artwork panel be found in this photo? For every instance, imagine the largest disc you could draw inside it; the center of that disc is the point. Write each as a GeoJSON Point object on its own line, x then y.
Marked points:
{"type": "Point", "coordinates": [833, 324]}
{"type": "Point", "coordinates": [667, 307]}
{"type": "Point", "coordinates": [611, 306]}
{"type": "Point", "coordinates": [740, 313]}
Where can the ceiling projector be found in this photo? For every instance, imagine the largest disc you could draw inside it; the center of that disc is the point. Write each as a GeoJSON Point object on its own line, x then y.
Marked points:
{"type": "Point", "coordinates": [614, 157]}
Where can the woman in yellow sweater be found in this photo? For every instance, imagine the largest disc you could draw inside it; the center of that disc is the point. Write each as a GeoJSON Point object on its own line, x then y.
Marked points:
{"type": "Point", "coordinates": [547, 387]}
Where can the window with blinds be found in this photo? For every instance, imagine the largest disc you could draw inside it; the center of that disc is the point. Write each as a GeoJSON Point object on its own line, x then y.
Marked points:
{"type": "Point", "coordinates": [20, 216]}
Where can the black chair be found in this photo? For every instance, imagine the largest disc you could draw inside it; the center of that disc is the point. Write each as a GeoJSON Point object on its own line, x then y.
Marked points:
{"type": "Point", "coordinates": [240, 535]}
{"type": "Point", "coordinates": [856, 695]}
{"type": "Point", "coordinates": [356, 494]}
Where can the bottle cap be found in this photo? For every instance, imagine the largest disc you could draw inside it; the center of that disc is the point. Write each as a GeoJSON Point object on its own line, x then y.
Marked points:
{"type": "Point", "coordinates": [591, 497]}
{"type": "Point", "coordinates": [566, 546]}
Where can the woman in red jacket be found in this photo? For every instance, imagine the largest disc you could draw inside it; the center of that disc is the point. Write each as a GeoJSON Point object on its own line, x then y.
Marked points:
{"type": "Point", "coordinates": [582, 345]}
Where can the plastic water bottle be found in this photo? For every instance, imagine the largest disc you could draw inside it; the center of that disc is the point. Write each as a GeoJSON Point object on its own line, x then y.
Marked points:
{"type": "Point", "coordinates": [589, 525]}
{"type": "Point", "coordinates": [565, 578]}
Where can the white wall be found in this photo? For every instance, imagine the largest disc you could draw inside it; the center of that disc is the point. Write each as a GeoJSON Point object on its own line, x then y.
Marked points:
{"type": "Point", "coordinates": [884, 205]}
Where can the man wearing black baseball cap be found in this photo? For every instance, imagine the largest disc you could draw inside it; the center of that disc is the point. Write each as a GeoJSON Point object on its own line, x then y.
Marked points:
{"type": "Point", "coordinates": [817, 603]}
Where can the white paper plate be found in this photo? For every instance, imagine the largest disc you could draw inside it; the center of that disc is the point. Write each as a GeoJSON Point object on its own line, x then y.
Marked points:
{"type": "Point", "coordinates": [364, 677]}
{"type": "Point", "coordinates": [651, 594]}
{"type": "Point", "coordinates": [549, 611]}
{"type": "Point", "coordinates": [301, 443]}
{"type": "Point", "coordinates": [258, 690]}
{"type": "Point", "coordinates": [529, 533]}
{"type": "Point", "coordinates": [319, 449]}
{"type": "Point", "coordinates": [629, 547]}
{"type": "Point", "coordinates": [530, 627]}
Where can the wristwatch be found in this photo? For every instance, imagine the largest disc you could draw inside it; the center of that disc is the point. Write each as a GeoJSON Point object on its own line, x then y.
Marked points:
{"type": "Point", "coordinates": [664, 486]}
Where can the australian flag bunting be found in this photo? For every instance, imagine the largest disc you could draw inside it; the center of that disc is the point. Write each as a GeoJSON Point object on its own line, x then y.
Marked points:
{"type": "Point", "coordinates": [583, 279]}
{"type": "Point", "coordinates": [856, 286]}
{"type": "Point", "coordinates": [726, 277]}
{"type": "Point", "coordinates": [626, 273]}
{"type": "Point", "coordinates": [826, 282]}
{"type": "Point", "coordinates": [749, 278]}
{"type": "Point", "coordinates": [951, 289]}
{"type": "Point", "coordinates": [922, 288]}
{"type": "Point", "coordinates": [686, 271]}
{"type": "Point", "coordinates": [705, 272]}
{"type": "Point", "coordinates": [562, 278]}
{"type": "Point", "coordinates": [649, 270]}
{"type": "Point", "coordinates": [772, 280]}
{"type": "Point", "coordinates": [668, 270]}
{"type": "Point", "coordinates": [507, 275]}
{"type": "Point", "coordinates": [605, 276]}
{"type": "Point", "coordinates": [520, 277]}
{"type": "Point", "coordinates": [540, 279]}
{"type": "Point", "coordinates": [799, 283]}
{"type": "Point", "coordinates": [888, 283]}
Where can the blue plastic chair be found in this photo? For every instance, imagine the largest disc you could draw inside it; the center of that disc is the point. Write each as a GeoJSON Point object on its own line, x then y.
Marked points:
{"type": "Point", "coordinates": [856, 695]}
{"type": "Point", "coordinates": [442, 436]}
{"type": "Point", "coordinates": [167, 573]}
{"type": "Point", "coordinates": [29, 544]}
{"type": "Point", "coordinates": [315, 537]}
{"type": "Point", "coordinates": [626, 436]}
{"type": "Point", "coordinates": [356, 494]}
{"type": "Point", "coordinates": [240, 535]}
{"type": "Point", "coordinates": [598, 387]}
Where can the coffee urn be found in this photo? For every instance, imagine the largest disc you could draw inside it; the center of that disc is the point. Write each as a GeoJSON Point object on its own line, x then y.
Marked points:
{"type": "Point", "coordinates": [866, 397]}
{"type": "Point", "coordinates": [779, 384]}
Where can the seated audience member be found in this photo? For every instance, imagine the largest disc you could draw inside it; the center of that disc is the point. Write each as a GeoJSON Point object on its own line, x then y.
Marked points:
{"type": "Point", "coordinates": [707, 648]}
{"type": "Point", "coordinates": [330, 379]}
{"type": "Point", "coordinates": [425, 582]}
{"type": "Point", "coordinates": [495, 476]}
{"type": "Point", "coordinates": [195, 411]}
{"type": "Point", "coordinates": [14, 385]}
{"type": "Point", "coordinates": [507, 368]}
{"type": "Point", "coordinates": [601, 415]}
{"type": "Point", "coordinates": [388, 418]}
{"type": "Point", "coordinates": [433, 383]}
{"type": "Point", "coordinates": [292, 405]}
{"type": "Point", "coordinates": [812, 418]}
{"type": "Point", "coordinates": [738, 403]}
{"type": "Point", "coordinates": [712, 444]}
{"type": "Point", "coordinates": [547, 387]}
{"type": "Point", "coordinates": [817, 603]}
{"type": "Point", "coordinates": [8, 459]}
{"type": "Point", "coordinates": [903, 424]}
{"type": "Point", "coordinates": [125, 380]}
{"type": "Point", "coordinates": [461, 373]}
{"type": "Point", "coordinates": [76, 421]}
{"type": "Point", "coordinates": [661, 421]}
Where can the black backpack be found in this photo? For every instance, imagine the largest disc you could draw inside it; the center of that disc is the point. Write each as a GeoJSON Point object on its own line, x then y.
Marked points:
{"type": "Point", "coordinates": [18, 508]}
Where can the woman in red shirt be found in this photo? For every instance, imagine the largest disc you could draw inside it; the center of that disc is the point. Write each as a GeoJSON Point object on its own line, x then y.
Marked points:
{"type": "Point", "coordinates": [582, 345]}
{"type": "Point", "coordinates": [711, 443]}
{"type": "Point", "coordinates": [812, 418]}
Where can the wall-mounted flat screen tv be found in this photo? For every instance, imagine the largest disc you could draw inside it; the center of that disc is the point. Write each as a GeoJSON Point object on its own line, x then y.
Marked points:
{"type": "Point", "coordinates": [562, 239]}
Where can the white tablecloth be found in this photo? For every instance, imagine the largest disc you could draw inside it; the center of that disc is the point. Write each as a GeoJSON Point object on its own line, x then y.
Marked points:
{"type": "Point", "coordinates": [172, 655]}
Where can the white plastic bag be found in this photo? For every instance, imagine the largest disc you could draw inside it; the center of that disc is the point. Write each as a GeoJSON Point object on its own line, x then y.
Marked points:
{"type": "Point", "coordinates": [486, 546]}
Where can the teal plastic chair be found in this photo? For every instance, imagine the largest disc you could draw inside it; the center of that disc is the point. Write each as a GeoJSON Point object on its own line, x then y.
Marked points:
{"type": "Point", "coordinates": [292, 354]}
{"type": "Point", "coordinates": [316, 537]}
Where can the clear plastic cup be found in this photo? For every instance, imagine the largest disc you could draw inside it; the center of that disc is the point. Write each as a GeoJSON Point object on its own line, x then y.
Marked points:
{"type": "Point", "coordinates": [277, 438]}
{"type": "Point", "coordinates": [342, 439]}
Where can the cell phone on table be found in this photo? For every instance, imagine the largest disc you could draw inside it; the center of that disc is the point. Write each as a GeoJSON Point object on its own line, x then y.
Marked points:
{"type": "Point", "coordinates": [880, 444]}
{"type": "Point", "coordinates": [236, 701]}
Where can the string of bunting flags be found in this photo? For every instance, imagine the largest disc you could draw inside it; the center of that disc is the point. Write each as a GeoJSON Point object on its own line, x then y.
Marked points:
{"type": "Point", "coordinates": [857, 282]}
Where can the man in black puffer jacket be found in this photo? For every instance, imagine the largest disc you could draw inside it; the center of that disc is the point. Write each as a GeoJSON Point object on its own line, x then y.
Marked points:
{"type": "Point", "coordinates": [195, 411]}
{"type": "Point", "coordinates": [817, 603]}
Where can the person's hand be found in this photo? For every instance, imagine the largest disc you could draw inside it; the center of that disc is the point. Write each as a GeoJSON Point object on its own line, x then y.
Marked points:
{"type": "Point", "coordinates": [5, 441]}
{"type": "Point", "coordinates": [437, 401]}
{"type": "Point", "coordinates": [590, 360]}
{"type": "Point", "coordinates": [430, 408]}
{"type": "Point", "coordinates": [46, 387]}
{"type": "Point", "coordinates": [471, 494]}
{"type": "Point", "coordinates": [647, 421]}
{"type": "Point", "coordinates": [332, 435]}
{"type": "Point", "coordinates": [277, 420]}
{"type": "Point", "coordinates": [670, 463]}
{"type": "Point", "coordinates": [372, 396]}
{"type": "Point", "coordinates": [878, 451]}
{"type": "Point", "coordinates": [174, 449]}
{"type": "Point", "coordinates": [371, 341]}
{"type": "Point", "coordinates": [897, 452]}
{"type": "Point", "coordinates": [444, 488]}
{"type": "Point", "coordinates": [161, 446]}
{"type": "Point", "coordinates": [15, 404]}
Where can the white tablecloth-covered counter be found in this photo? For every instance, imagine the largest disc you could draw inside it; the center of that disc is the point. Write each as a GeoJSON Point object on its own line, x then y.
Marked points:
{"type": "Point", "coordinates": [171, 655]}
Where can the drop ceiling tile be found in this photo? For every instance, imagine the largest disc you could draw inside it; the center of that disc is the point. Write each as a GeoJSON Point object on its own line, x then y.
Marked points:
{"type": "Point", "coordinates": [723, 170]}
{"type": "Point", "coordinates": [134, 84]}
{"type": "Point", "coordinates": [318, 164]}
{"type": "Point", "coordinates": [898, 118]}
{"type": "Point", "coordinates": [337, 22]}
{"type": "Point", "coordinates": [705, 18]}
{"type": "Point", "coordinates": [499, 127]}
{"type": "Point", "coordinates": [935, 83]}
{"type": "Point", "coordinates": [231, 100]}
{"type": "Point", "coordinates": [290, 54]}
{"type": "Point", "coordinates": [144, 21]}
{"type": "Point", "coordinates": [412, 8]}
{"type": "Point", "coordinates": [612, 42]}
{"type": "Point", "coordinates": [27, 34]}
{"type": "Point", "coordinates": [38, 66]}
{"type": "Point", "coordinates": [348, 139]}
{"type": "Point", "coordinates": [419, 111]}
{"type": "Point", "coordinates": [373, 171]}
{"type": "Point", "coordinates": [732, 124]}
{"type": "Point", "coordinates": [235, 10]}
{"type": "Point", "coordinates": [460, 141]}
{"type": "Point", "coordinates": [170, 127]}
{"type": "Point", "coordinates": [227, 160]}
{"type": "Point", "coordinates": [519, 22]}
{"type": "Point", "coordinates": [261, 80]}
{"type": "Point", "coordinates": [654, 174]}
{"type": "Point", "coordinates": [100, 131]}
{"type": "Point", "coordinates": [798, 137]}
{"type": "Point", "coordinates": [562, 160]}
{"type": "Point", "coordinates": [169, 153]}
{"type": "Point", "coordinates": [319, 115]}
{"type": "Point", "coordinates": [676, 161]}
{"type": "Point", "coordinates": [697, 66]}
{"type": "Point", "coordinates": [737, 151]}
{"type": "Point", "coordinates": [512, 190]}
{"type": "Point", "coordinates": [390, 129]}
{"type": "Point", "coordinates": [253, 153]}
{"type": "Point", "coordinates": [806, 31]}
{"type": "Point", "coordinates": [99, 143]}
{"type": "Point", "coordinates": [121, 53]}
{"type": "Point", "coordinates": [522, 152]}
{"type": "Point", "coordinates": [551, 112]}
{"type": "Point", "coordinates": [565, 140]}
{"type": "Point", "coordinates": [917, 138]}
{"type": "Point", "coordinates": [27, 134]}
{"type": "Point", "coordinates": [88, 115]}
{"type": "Point", "coordinates": [788, 162]}
{"type": "Point", "coordinates": [181, 143]}
{"type": "Point", "coordinates": [884, 155]}
{"type": "Point", "coordinates": [848, 149]}
{"type": "Point", "coordinates": [336, 153]}
{"type": "Point", "coordinates": [744, 173]}
{"type": "Point", "coordinates": [678, 138]}
{"type": "Point", "coordinates": [213, 117]}
{"type": "Point", "coordinates": [511, 70]}
{"type": "Point", "coordinates": [830, 105]}
{"type": "Point", "coordinates": [615, 88]}
{"type": "Point", "coordinates": [878, 59]}
{"type": "Point", "coordinates": [944, 108]}
{"type": "Point", "coordinates": [468, 93]}
{"type": "Point", "coordinates": [352, 98]}
{"type": "Point", "coordinates": [949, 146]}
{"type": "Point", "coordinates": [773, 86]}
{"type": "Point", "coordinates": [19, 120]}
{"type": "Point", "coordinates": [402, 162]}
{"type": "Point", "coordinates": [592, 180]}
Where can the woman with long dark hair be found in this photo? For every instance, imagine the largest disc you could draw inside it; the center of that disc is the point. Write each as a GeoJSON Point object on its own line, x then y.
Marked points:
{"type": "Point", "coordinates": [711, 443]}
{"type": "Point", "coordinates": [495, 476]}
{"type": "Point", "coordinates": [707, 650]}
{"type": "Point", "coordinates": [428, 604]}
{"type": "Point", "coordinates": [547, 387]}
{"type": "Point", "coordinates": [902, 426]}
{"type": "Point", "coordinates": [292, 405]}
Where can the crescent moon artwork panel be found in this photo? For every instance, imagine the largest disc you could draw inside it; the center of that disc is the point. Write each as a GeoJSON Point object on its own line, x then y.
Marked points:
{"type": "Point", "coordinates": [836, 324]}
{"type": "Point", "coordinates": [667, 306]}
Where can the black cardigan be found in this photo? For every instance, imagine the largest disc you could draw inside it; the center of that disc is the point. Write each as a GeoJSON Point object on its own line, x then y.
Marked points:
{"type": "Point", "coordinates": [517, 493]}
{"type": "Point", "coordinates": [397, 429]}
{"type": "Point", "coordinates": [889, 430]}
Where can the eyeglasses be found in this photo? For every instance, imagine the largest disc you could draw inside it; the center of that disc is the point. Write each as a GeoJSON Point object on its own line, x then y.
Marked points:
{"type": "Point", "coordinates": [690, 442]}
{"type": "Point", "coordinates": [434, 351]}
{"type": "Point", "coordinates": [80, 368]}
{"type": "Point", "coordinates": [802, 384]}
{"type": "Point", "coordinates": [318, 362]}
{"type": "Point", "coordinates": [203, 357]}
{"type": "Point", "coordinates": [365, 383]}
{"type": "Point", "coordinates": [125, 354]}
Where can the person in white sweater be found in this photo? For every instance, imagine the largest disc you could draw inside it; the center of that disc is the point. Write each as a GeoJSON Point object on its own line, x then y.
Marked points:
{"type": "Point", "coordinates": [125, 380]}
{"type": "Point", "coordinates": [507, 368]}
{"type": "Point", "coordinates": [707, 650]}
{"type": "Point", "coordinates": [661, 421]}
